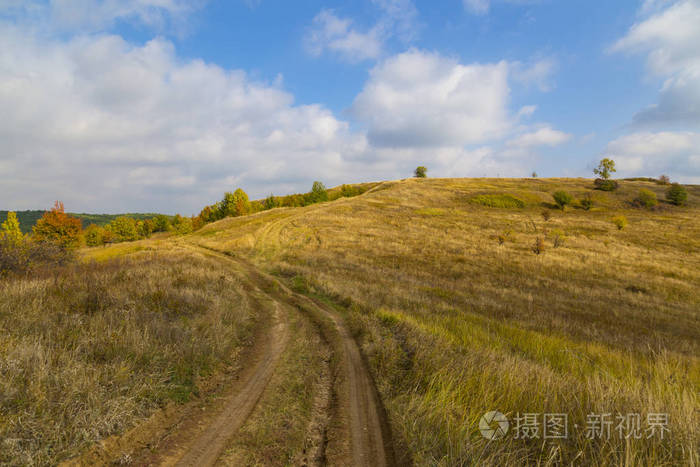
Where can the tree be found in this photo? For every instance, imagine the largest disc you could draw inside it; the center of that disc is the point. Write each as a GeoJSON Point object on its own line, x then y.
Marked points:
{"type": "Point", "coordinates": [124, 229]}
{"type": "Point", "coordinates": [161, 223]}
{"type": "Point", "coordinates": [234, 204]}
{"type": "Point", "coordinates": [58, 227]}
{"type": "Point", "coordinates": [420, 172]}
{"type": "Point", "coordinates": [94, 235]}
{"type": "Point", "coordinates": [562, 198]}
{"type": "Point", "coordinates": [270, 202]}
{"type": "Point", "coordinates": [677, 194]}
{"type": "Point", "coordinates": [318, 193]}
{"type": "Point", "coordinates": [534, 174]}
{"type": "Point", "coordinates": [605, 168]}
{"type": "Point", "coordinates": [664, 179]}
{"type": "Point", "coordinates": [11, 231]}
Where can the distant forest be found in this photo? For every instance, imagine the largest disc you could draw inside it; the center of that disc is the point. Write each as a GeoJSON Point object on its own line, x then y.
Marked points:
{"type": "Point", "coordinates": [27, 219]}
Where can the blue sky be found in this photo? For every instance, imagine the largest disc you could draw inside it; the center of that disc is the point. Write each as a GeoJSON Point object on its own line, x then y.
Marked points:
{"type": "Point", "coordinates": [161, 105]}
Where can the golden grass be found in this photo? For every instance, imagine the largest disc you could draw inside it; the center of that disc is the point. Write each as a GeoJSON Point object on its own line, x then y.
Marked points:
{"type": "Point", "coordinates": [89, 350]}
{"type": "Point", "coordinates": [457, 316]}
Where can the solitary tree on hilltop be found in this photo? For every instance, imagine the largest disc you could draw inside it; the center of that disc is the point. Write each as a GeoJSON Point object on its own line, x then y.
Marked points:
{"type": "Point", "coordinates": [605, 168]}
{"type": "Point", "coordinates": [420, 172]}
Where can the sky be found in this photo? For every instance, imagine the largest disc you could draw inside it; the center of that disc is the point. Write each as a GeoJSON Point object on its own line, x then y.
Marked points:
{"type": "Point", "coordinates": [163, 105]}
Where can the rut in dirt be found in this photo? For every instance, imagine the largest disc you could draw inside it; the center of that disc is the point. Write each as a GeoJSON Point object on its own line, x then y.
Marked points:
{"type": "Point", "coordinates": [366, 428]}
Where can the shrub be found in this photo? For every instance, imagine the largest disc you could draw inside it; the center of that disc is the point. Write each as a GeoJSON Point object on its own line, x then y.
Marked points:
{"type": "Point", "coordinates": [183, 226]}
{"type": "Point", "coordinates": [505, 236]}
{"type": "Point", "coordinates": [534, 175]}
{"type": "Point", "coordinates": [586, 202]}
{"type": "Point", "coordinates": [677, 194]}
{"type": "Point", "coordinates": [538, 247]}
{"type": "Point", "coordinates": [546, 214]}
{"type": "Point", "coordinates": [562, 198]}
{"type": "Point", "coordinates": [499, 201]}
{"type": "Point", "coordinates": [58, 227]}
{"type": "Point", "coordinates": [558, 237]}
{"type": "Point", "coordinates": [420, 172]}
{"type": "Point", "coordinates": [605, 185]}
{"type": "Point", "coordinates": [620, 222]}
{"type": "Point", "coordinates": [664, 180]}
{"type": "Point", "coordinates": [646, 198]}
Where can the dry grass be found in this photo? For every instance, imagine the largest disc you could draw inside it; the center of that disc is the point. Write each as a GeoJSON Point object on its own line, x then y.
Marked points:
{"type": "Point", "coordinates": [456, 322]}
{"type": "Point", "coordinates": [89, 350]}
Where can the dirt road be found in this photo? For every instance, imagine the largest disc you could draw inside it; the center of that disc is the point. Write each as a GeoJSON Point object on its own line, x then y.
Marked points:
{"type": "Point", "coordinates": [362, 420]}
{"type": "Point", "coordinates": [348, 427]}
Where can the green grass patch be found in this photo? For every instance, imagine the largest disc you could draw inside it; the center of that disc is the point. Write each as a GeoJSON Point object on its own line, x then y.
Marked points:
{"type": "Point", "coordinates": [499, 201]}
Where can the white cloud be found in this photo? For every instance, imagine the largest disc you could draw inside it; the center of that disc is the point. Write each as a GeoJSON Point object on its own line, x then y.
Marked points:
{"type": "Point", "coordinates": [338, 35]}
{"type": "Point", "coordinates": [670, 36]}
{"type": "Point", "coordinates": [424, 99]}
{"type": "Point", "coordinates": [651, 154]}
{"type": "Point", "coordinates": [478, 7]}
{"type": "Point", "coordinates": [99, 15]}
{"type": "Point", "coordinates": [545, 136]}
{"type": "Point", "coordinates": [106, 125]}
{"type": "Point", "coordinates": [481, 7]}
{"type": "Point", "coordinates": [538, 73]}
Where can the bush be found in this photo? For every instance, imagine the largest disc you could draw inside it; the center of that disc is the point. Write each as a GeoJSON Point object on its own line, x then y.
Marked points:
{"type": "Point", "coordinates": [270, 202]}
{"type": "Point", "coordinates": [546, 215]}
{"type": "Point", "coordinates": [677, 194]}
{"type": "Point", "coordinates": [539, 246]}
{"type": "Point", "coordinates": [586, 202]}
{"type": "Point", "coordinates": [562, 198]}
{"type": "Point", "coordinates": [558, 237]}
{"type": "Point", "coordinates": [420, 172]}
{"type": "Point", "coordinates": [499, 201]}
{"type": "Point", "coordinates": [664, 180]}
{"type": "Point", "coordinates": [620, 222]}
{"type": "Point", "coordinates": [646, 199]}
{"type": "Point", "coordinates": [605, 185]}
{"type": "Point", "coordinates": [25, 255]}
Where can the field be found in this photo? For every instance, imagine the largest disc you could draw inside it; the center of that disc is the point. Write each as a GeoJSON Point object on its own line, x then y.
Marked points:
{"type": "Point", "coordinates": [462, 296]}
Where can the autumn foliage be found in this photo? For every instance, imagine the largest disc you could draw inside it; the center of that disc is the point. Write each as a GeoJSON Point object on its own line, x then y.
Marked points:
{"type": "Point", "coordinates": [56, 226]}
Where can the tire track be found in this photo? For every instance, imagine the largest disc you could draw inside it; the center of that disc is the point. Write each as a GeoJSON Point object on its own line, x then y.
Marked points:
{"type": "Point", "coordinates": [366, 428]}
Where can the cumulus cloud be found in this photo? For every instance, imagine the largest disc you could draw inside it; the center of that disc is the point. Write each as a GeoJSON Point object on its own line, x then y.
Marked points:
{"type": "Point", "coordinates": [342, 37]}
{"type": "Point", "coordinates": [670, 37]}
{"type": "Point", "coordinates": [424, 99]}
{"type": "Point", "coordinates": [338, 35]}
{"type": "Point", "coordinates": [110, 125]}
{"type": "Point", "coordinates": [97, 15]}
{"type": "Point", "coordinates": [649, 154]}
{"type": "Point", "coordinates": [545, 136]}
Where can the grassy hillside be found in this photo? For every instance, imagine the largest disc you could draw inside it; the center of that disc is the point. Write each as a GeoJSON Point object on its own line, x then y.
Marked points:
{"type": "Point", "coordinates": [27, 219]}
{"type": "Point", "coordinates": [89, 350]}
{"type": "Point", "coordinates": [457, 315]}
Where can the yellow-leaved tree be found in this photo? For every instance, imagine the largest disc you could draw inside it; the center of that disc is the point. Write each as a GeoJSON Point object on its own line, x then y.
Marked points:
{"type": "Point", "coordinates": [10, 229]}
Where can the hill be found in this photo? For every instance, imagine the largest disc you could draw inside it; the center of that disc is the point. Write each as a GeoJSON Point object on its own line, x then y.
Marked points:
{"type": "Point", "coordinates": [457, 315]}
{"type": "Point", "coordinates": [391, 323]}
{"type": "Point", "coordinates": [27, 219]}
